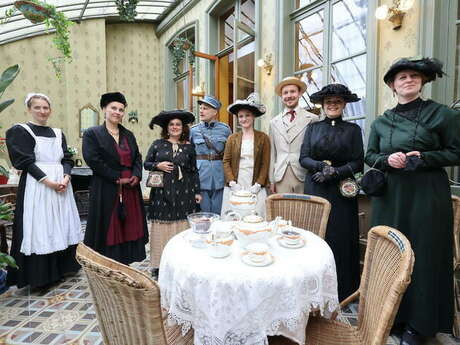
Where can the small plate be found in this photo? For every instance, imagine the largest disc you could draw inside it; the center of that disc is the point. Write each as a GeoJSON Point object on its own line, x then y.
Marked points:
{"type": "Point", "coordinates": [268, 261]}
{"type": "Point", "coordinates": [284, 244]}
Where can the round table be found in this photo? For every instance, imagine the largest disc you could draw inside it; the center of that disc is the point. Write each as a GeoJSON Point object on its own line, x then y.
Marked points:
{"type": "Point", "coordinates": [228, 302]}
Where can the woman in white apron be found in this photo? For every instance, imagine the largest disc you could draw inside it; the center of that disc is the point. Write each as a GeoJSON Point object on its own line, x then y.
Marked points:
{"type": "Point", "coordinates": [247, 155]}
{"type": "Point", "coordinates": [46, 226]}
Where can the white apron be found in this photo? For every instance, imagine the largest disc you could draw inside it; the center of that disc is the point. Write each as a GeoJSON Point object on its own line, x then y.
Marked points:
{"type": "Point", "coordinates": [50, 219]}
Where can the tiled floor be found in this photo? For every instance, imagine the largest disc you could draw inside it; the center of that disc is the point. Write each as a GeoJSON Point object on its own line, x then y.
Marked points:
{"type": "Point", "coordinates": [65, 315]}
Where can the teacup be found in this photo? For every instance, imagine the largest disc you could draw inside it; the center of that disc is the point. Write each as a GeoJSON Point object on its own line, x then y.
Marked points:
{"type": "Point", "coordinates": [257, 252]}
{"type": "Point", "coordinates": [290, 236]}
{"type": "Point", "coordinates": [219, 246]}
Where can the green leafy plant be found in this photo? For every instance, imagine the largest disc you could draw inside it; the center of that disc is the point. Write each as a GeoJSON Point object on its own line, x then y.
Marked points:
{"type": "Point", "coordinates": [6, 213]}
{"type": "Point", "coordinates": [178, 49]}
{"type": "Point", "coordinates": [6, 260]}
{"type": "Point", "coordinates": [37, 11]}
{"type": "Point", "coordinates": [6, 79]}
{"type": "Point", "coordinates": [127, 9]}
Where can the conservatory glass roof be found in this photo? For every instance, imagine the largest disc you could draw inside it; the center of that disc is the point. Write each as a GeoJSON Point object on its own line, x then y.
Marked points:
{"type": "Point", "coordinates": [17, 27]}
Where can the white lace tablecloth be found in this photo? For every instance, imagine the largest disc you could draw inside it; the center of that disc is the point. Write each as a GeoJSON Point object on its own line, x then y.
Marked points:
{"type": "Point", "coordinates": [229, 303]}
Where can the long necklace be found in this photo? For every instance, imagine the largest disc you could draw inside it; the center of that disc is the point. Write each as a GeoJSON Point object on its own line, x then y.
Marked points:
{"type": "Point", "coordinates": [112, 132]}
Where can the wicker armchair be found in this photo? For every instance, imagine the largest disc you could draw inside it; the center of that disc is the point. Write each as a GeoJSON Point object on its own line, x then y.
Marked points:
{"type": "Point", "coordinates": [456, 276]}
{"type": "Point", "coordinates": [305, 211]}
{"type": "Point", "coordinates": [127, 303]}
{"type": "Point", "coordinates": [387, 271]}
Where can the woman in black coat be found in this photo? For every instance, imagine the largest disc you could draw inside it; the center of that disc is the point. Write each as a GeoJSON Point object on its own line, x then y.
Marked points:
{"type": "Point", "coordinates": [116, 224]}
{"type": "Point", "coordinates": [332, 151]}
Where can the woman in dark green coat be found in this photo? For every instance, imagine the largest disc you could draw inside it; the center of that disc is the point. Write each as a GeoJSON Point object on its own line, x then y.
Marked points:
{"type": "Point", "coordinates": [413, 142]}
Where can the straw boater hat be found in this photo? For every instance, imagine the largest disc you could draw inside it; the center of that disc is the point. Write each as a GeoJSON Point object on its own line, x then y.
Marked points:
{"type": "Point", "coordinates": [252, 103]}
{"type": "Point", "coordinates": [110, 97]}
{"type": "Point", "coordinates": [163, 118]}
{"type": "Point", "coordinates": [290, 81]}
{"type": "Point", "coordinates": [429, 67]}
{"type": "Point", "coordinates": [334, 90]}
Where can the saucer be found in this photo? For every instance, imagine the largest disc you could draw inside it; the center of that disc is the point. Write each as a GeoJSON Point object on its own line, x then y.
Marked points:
{"type": "Point", "coordinates": [268, 261]}
{"type": "Point", "coordinates": [284, 244]}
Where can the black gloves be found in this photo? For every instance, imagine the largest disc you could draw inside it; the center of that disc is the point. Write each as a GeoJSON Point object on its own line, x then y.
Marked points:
{"type": "Point", "coordinates": [328, 173]}
{"type": "Point", "coordinates": [413, 163]}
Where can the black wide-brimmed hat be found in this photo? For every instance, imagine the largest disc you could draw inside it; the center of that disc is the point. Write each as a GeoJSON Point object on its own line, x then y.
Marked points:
{"type": "Point", "coordinates": [429, 67]}
{"type": "Point", "coordinates": [251, 102]}
{"type": "Point", "coordinates": [163, 118]}
{"type": "Point", "coordinates": [334, 90]}
{"type": "Point", "coordinates": [110, 97]}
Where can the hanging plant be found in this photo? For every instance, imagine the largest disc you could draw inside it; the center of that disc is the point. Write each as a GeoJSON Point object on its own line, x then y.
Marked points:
{"type": "Point", "coordinates": [178, 49]}
{"type": "Point", "coordinates": [127, 9]}
{"type": "Point", "coordinates": [38, 12]}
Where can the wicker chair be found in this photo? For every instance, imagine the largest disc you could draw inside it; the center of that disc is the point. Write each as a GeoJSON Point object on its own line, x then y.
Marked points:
{"type": "Point", "coordinates": [456, 229]}
{"type": "Point", "coordinates": [387, 270]}
{"type": "Point", "coordinates": [305, 211]}
{"type": "Point", "coordinates": [127, 303]}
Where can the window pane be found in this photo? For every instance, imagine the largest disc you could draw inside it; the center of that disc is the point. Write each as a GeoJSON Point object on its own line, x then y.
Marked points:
{"type": "Point", "coordinates": [314, 81]}
{"type": "Point", "coordinates": [457, 65]}
{"type": "Point", "coordinates": [248, 13]}
{"type": "Point", "coordinates": [352, 73]}
{"type": "Point", "coordinates": [180, 94]}
{"type": "Point", "coordinates": [302, 3]}
{"type": "Point", "coordinates": [349, 28]}
{"type": "Point", "coordinates": [226, 27]}
{"type": "Point", "coordinates": [309, 38]}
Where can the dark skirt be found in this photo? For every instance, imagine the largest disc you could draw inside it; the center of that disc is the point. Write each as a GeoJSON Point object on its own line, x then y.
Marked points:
{"type": "Point", "coordinates": [419, 205]}
{"type": "Point", "coordinates": [342, 233]}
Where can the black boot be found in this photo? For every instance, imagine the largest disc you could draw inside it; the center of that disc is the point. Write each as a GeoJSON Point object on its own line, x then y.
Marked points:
{"type": "Point", "coordinates": [411, 337]}
{"type": "Point", "coordinates": [155, 272]}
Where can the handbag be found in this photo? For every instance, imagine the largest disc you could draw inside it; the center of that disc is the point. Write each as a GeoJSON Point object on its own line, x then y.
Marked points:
{"type": "Point", "coordinates": [374, 181]}
{"type": "Point", "coordinates": [155, 179]}
{"type": "Point", "coordinates": [349, 187]}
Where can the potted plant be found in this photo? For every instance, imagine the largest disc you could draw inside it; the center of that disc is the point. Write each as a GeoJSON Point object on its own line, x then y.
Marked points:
{"type": "Point", "coordinates": [127, 9]}
{"type": "Point", "coordinates": [34, 12]}
{"type": "Point", "coordinates": [178, 50]}
{"type": "Point", "coordinates": [6, 213]}
{"type": "Point", "coordinates": [38, 12]}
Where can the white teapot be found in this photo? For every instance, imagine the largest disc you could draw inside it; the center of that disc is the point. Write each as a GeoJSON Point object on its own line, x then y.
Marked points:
{"type": "Point", "coordinates": [242, 200]}
{"type": "Point", "coordinates": [253, 228]}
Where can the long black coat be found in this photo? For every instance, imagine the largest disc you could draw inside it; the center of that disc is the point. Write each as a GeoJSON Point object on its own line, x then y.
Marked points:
{"type": "Point", "coordinates": [102, 157]}
{"type": "Point", "coordinates": [341, 143]}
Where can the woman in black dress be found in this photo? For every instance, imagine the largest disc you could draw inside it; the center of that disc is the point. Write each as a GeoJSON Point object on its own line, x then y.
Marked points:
{"type": "Point", "coordinates": [175, 156]}
{"type": "Point", "coordinates": [46, 226]}
{"type": "Point", "coordinates": [116, 224]}
{"type": "Point", "coordinates": [332, 151]}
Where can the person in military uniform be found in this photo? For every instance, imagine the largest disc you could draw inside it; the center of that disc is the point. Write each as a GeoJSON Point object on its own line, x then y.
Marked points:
{"type": "Point", "coordinates": [209, 138]}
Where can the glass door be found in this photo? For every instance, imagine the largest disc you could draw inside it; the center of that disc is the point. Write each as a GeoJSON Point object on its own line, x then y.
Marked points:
{"type": "Point", "coordinates": [237, 56]}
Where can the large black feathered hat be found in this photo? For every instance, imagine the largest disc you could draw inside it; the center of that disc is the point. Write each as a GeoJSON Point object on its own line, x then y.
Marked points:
{"type": "Point", "coordinates": [429, 67]}
{"type": "Point", "coordinates": [163, 118]}
{"type": "Point", "coordinates": [110, 97]}
{"type": "Point", "coordinates": [334, 90]}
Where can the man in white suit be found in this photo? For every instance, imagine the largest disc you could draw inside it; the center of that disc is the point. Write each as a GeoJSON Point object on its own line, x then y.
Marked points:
{"type": "Point", "coordinates": [287, 130]}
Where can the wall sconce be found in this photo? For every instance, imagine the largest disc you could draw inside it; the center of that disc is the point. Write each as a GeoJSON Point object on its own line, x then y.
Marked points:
{"type": "Point", "coordinates": [199, 90]}
{"type": "Point", "coordinates": [133, 117]}
{"type": "Point", "coordinates": [395, 13]}
{"type": "Point", "coordinates": [266, 63]}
